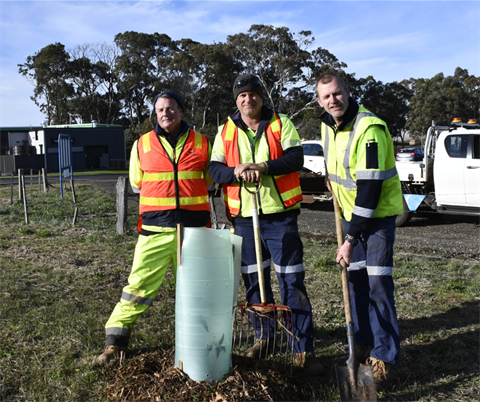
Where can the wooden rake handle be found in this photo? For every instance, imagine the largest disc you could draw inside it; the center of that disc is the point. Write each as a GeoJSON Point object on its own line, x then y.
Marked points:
{"type": "Point", "coordinates": [258, 239]}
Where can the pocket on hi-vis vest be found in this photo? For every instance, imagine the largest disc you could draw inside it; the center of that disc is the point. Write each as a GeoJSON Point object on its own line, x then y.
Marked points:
{"type": "Point", "coordinates": [372, 155]}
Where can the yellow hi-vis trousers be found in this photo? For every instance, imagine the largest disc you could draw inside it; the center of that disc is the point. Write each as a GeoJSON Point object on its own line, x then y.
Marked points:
{"type": "Point", "coordinates": [153, 255]}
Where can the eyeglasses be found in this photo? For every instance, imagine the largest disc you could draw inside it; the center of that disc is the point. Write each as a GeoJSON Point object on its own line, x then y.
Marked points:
{"type": "Point", "coordinates": [242, 83]}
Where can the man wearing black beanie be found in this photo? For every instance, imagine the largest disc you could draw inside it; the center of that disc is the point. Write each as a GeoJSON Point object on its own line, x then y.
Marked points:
{"type": "Point", "coordinates": [257, 145]}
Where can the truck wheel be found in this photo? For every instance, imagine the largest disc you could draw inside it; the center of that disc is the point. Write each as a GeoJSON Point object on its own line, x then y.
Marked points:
{"type": "Point", "coordinates": [405, 217]}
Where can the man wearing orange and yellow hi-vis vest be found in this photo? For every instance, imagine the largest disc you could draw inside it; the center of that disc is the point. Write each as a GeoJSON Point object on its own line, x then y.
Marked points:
{"type": "Point", "coordinates": [168, 167]}
{"type": "Point", "coordinates": [255, 143]}
{"type": "Point", "coordinates": [360, 162]}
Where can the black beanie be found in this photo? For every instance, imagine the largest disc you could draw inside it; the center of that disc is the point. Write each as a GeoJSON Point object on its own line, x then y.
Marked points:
{"type": "Point", "coordinates": [247, 83]}
{"type": "Point", "coordinates": [169, 94]}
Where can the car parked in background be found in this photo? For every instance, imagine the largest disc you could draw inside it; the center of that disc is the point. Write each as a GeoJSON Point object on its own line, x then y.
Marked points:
{"type": "Point", "coordinates": [409, 155]}
{"type": "Point", "coordinates": [313, 159]}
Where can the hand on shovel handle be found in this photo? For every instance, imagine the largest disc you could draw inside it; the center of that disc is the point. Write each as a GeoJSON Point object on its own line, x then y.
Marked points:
{"type": "Point", "coordinates": [355, 380]}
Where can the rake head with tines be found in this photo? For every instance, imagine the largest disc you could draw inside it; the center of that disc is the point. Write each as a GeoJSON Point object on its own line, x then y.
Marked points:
{"type": "Point", "coordinates": [271, 324]}
{"type": "Point", "coordinates": [264, 331]}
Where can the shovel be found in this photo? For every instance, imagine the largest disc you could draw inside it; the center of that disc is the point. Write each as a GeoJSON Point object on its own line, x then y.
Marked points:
{"type": "Point", "coordinates": [355, 380]}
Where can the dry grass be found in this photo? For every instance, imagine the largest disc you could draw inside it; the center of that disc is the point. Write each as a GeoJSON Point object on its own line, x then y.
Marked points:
{"type": "Point", "coordinates": [59, 284]}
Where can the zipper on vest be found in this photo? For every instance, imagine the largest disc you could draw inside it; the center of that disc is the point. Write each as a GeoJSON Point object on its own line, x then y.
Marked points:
{"type": "Point", "coordinates": [175, 177]}
{"type": "Point", "coordinates": [175, 180]}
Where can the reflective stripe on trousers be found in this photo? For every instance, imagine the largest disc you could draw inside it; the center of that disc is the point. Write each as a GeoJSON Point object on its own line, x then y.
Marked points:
{"type": "Point", "coordinates": [372, 290]}
{"type": "Point", "coordinates": [153, 255]}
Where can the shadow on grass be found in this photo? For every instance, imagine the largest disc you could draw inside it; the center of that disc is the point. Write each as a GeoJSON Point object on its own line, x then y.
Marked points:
{"type": "Point", "coordinates": [439, 356]}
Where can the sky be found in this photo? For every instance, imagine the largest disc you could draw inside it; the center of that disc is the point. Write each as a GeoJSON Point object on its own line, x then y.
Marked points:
{"type": "Point", "coordinates": [389, 40]}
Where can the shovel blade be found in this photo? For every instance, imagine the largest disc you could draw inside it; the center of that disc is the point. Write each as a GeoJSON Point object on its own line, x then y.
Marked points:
{"type": "Point", "coordinates": [355, 382]}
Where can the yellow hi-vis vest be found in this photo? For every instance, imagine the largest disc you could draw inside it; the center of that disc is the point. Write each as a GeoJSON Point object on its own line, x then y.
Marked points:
{"type": "Point", "coordinates": [277, 193]}
{"type": "Point", "coordinates": [346, 160]}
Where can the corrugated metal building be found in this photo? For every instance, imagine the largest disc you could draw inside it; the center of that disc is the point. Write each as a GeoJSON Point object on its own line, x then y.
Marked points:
{"type": "Point", "coordinates": [94, 146]}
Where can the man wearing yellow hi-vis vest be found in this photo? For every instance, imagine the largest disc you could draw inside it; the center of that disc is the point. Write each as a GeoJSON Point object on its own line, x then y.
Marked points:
{"type": "Point", "coordinates": [169, 168]}
{"type": "Point", "coordinates": [257, 144]}
{"type": "Point", "coordinates": [362, 174]}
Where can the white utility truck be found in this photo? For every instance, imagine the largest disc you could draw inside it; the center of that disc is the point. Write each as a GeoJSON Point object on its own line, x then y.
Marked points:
{"type": "Point", "coordinates": [448, 179]}
{"type": "Point", "coordinates": [313, 159]}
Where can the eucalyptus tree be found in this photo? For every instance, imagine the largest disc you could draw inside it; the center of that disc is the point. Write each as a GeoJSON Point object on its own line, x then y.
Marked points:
{"type": "Point", "coordinates": [94, 79]}
{"type": "Point", "coordinates": [204, 75]}
{"type": "Point", "coordinates": [388, 101]}
{"type": "Point", "coordinates": [440, 99]}
{"type": "Point", "coordinates": [287, 66]}
{"type": "Point", "coordinates": [138, 71]}
{"type": "Point", "coordinates": [49, 71]}
{"type": "Point", "coordinates": [276, 56]}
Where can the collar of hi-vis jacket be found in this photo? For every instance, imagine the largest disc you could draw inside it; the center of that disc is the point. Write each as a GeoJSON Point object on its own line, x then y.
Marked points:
{"type": "Point", "coordinates": [267, 115]}
{"type": "Point", "coordinates": [184, 127]}
{"type": "Point", "coordinates": [348, 116]}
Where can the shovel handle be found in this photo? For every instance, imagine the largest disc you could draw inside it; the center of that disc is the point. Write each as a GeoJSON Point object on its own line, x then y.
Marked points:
{"type": "Point", "coordinates": [258, 240]}
{"type": "Point", "coordinates": [346, 290]}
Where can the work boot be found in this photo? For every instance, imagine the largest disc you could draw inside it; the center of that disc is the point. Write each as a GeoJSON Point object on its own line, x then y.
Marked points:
{"type": "Point", "coordinates": [362, 353]}
{"type": "Point", "coordinates": [380, 373]}
{"type": "Point", "coordinates": [309, 362]}
{"type": "Point", "coordinates": [111, 352]}
{"type": "Point", "coordinates": [259, 349]}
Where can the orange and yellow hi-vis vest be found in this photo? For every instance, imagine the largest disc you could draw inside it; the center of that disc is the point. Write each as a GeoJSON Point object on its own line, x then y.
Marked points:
{"type": "Point", "coordinates": [287, 186]}
{"type": "Point", "coordinates": [173, 179]}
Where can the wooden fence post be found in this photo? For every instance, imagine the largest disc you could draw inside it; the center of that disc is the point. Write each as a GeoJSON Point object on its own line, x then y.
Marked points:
{"type": "Point", "coordinates": [122, 204]}
{"type": "Point", "coordinates": [20, 184]}
{"type": "Point", "coordinates": [45, 182]}
{"type": "Point", "coordinates": [73, 191]}
{"type": "Point", "coordinates": [11, 192]}
{"type": "Point", "coordinates": [24, 198]}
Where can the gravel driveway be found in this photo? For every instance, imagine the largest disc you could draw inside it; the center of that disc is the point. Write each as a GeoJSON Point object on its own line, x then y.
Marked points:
{"type": "Point", "coordinates": [441, 236]}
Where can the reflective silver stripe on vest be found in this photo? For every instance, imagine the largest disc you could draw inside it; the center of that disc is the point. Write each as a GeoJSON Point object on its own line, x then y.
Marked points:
{"type": "Point", "coordinates": [252, 269]}
{"type": "Point", "coordinates": [326, 143]}
{"type": "Point", "coordinates": [118, 331]}
{"type": "Point", "coordinates": [356, 266]}
{"type": "Point", "coordinates": [379, 271]}
{"type": "Point", "coordinates": [348, 183]}
{"type": "Point", "coordinates": [365, 212]}
{"type": "Point", "coordinates": [289, 269]}
{"type": "Point", "coordinates": [377, 175]}
{"type": "Point", "coordinates": [137, 299]}
{"type": "Point", "coordinates": [346, 158]}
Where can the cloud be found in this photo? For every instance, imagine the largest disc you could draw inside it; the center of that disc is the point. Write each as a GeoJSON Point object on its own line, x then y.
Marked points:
{"type": "Point", "coordinates": [390, 40]}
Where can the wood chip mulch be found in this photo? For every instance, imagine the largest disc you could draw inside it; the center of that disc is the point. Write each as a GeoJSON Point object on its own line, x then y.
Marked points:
{"type": "Point", "coordinates": [153, 377]}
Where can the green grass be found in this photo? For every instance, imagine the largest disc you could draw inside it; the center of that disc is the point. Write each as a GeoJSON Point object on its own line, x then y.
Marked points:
{"type": "Point", "coordinates": [60, 282]}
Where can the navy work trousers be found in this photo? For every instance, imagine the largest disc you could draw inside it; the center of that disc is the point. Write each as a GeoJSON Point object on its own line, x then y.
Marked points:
{"type": "Point", "coordinates": [282, 245]}
{"type": "Point", "coordinates": [372, 290]}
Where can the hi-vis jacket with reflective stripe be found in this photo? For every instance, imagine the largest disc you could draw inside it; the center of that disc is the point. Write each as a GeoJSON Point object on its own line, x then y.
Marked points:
{"type": "Point", "coordinates": [363, 150]}
{"type": "Point", "coordinates": [277, 193]}
{"type": "Point", "coordinates": [171, 178]}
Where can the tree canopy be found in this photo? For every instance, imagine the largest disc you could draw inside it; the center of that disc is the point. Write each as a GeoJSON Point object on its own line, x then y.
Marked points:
{"type": "Point", "coordinates": [116, 83]}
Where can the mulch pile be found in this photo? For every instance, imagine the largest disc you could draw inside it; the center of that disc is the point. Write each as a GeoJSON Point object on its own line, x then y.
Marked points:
{"type": "Point", "coordinates": [153, 377]}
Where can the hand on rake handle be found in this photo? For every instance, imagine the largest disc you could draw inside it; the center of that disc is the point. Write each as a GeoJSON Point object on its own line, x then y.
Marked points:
{"type": "Point", "coordinates": [250, 172]}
